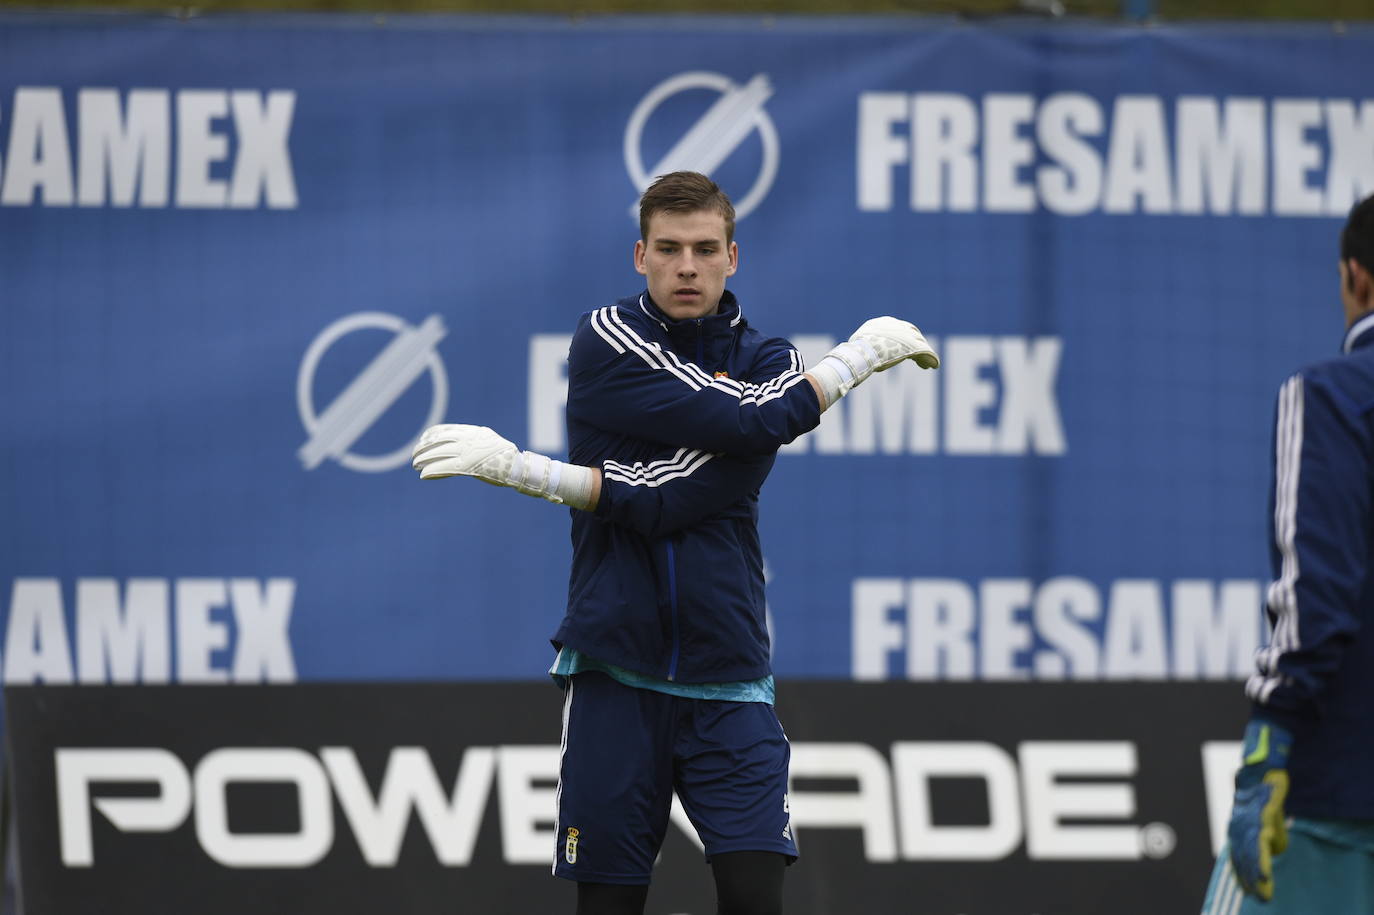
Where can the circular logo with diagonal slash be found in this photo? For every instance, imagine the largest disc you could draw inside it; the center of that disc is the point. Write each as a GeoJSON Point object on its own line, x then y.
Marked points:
{"type": "Point", "coordinates": [736, 114]}
{"type": "Point", "coordinates": [372, 391]}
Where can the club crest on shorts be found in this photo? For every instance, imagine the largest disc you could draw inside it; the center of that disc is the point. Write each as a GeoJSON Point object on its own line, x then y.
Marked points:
{"type": "Point", "coordinates": [722, 374]}
{"type": "Point", "coordinates": [570, 846]}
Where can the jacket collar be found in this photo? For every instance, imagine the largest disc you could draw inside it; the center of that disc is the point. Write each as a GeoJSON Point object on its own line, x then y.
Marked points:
{"type": "Point", "coordinates": [1360, 334]}
{"type": "Point", "coordinates": [726, 317]}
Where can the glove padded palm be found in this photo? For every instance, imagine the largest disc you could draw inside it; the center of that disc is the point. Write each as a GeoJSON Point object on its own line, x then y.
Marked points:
{"type": "Point", "coordinates": [893, 340]}
{"type": "Point", "coordinates": [458, 449]}
{"type": "Point", "coordinates": [878, 345]}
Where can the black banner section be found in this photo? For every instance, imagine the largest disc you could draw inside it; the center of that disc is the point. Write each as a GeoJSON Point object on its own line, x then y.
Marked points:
{"type": "Point", "coordinates": [939, 799]}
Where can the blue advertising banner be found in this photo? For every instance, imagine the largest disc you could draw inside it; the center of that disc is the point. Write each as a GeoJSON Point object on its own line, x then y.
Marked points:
{"type": "Point", "coordinates": [246, 260]}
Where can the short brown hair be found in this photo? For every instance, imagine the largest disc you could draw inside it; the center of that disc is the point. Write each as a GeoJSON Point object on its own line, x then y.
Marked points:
{"type": "Point", "coordinates": [685, 192]}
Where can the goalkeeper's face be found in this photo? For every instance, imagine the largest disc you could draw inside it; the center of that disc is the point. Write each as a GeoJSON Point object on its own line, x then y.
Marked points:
{"type": "Point", "coordinates": [686, 259]}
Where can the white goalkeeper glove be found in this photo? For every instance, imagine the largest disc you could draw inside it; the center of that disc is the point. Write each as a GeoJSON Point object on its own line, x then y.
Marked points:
{"type": "Point", "coordinates": [878, 345]}
{"type": "Point", "coordinates": [456, 449]}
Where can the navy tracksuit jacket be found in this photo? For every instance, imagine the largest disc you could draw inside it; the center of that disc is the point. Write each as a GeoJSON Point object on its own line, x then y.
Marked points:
{"type": "Point", "coordinates": [1316, 676]}
{"type": "Point", "coordinates": [684, 419]}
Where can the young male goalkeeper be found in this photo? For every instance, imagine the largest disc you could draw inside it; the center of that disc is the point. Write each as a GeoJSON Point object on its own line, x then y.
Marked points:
{"type": "Point", "coordinates": [676, 409]}
{"type": "Point", "coordinates": [1301, 835]}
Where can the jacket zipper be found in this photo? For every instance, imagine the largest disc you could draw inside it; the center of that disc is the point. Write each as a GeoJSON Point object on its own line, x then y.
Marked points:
{"type": "Point", "coordinates": [672, 604]}
{"type": "Point", "coordinates": [672, 558]}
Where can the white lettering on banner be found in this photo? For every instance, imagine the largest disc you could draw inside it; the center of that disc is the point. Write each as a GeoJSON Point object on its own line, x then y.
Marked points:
{"type": "Point", "coordinates": [130, 641]}
{"type": "Point", "coordinates": [1058, 781]}
{"type": "Point", "coordinates": [114, 645]}
{"type": "Point", "coordinates": [915, 764]}
{"type": "Point", "coordinates": [451, 820]}
{"type": "Point", "coordinates": [548, 391]}
{"type": "Point", "coordinates": [1221, 155]}
{"type": "Point", "coordinates": [1011, 629]}
{"type": "Point", "coordinates": [527, 788]}
{"type": "Point", "coordinates": [199, 634]}
{"type": "Point", "coordinates": [1051, 800]}
{"type": "Point", "coordinates": [38, 154]}
{"type": "Point", "coordinates": [280, 765]}
{"type": "Point", "coordinates": [1225, 156]}
{"type": "Point", "coordinates": [1065, 800]}
{"type": "Point", "coordinates": [230, 148]}
{"type": "Point", "coordinates": [262, 617]}
{"type": "Point", "coordinates": [995, 395]}
{"type": "Point", "coordinates": [410, 783]}
{"type": "Point", "coordinates": [36, 646]}
{"type": "Point", "coordinates": [199, 147]}
{"type": "Point", "coordinates": [1072, 187]}
{"type": "Point", "coordinates": [77, 769]}
{"type": "Point", "coordinates": [132, 151]}
{"type": "Point", "coordinates": [1138, 178]}
{"type": "Point", "coordinates": [868, 808]}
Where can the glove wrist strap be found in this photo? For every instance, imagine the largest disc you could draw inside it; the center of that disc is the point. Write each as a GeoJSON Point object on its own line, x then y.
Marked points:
{"type": "Point", "coordinates": [1266, 744]}
{"type": "Point", "coordinates": [844, 367]}
{"type": "Point", "coordinates": [539, 475]}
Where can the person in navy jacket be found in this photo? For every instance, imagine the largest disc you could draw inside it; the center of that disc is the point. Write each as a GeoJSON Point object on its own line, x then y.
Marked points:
{"type": "Point", "coordinates": [1301, 834]}
{"type": "Point", "coordinates": [676, 409]}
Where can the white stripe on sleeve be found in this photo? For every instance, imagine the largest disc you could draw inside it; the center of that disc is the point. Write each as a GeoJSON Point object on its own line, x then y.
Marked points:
{"type": "Point", "coordinates": [611, 326]}
{"type": "Point", "coordinates": [683, 464]}
{"type": "Point", "coordinates": [1282, 598]}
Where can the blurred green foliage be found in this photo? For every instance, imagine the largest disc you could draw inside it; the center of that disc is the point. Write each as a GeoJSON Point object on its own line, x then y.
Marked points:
{"type": "Point", "coordinates": [1344, 10]}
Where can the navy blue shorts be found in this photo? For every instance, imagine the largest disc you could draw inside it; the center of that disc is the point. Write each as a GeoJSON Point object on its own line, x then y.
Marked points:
{"type": "Point", "coordinates": [626, 750]}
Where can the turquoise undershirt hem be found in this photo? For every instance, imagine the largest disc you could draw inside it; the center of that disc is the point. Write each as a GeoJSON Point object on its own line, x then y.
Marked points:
{"type": "Point", "coordinates": [1358, 834]}
{"type": "Point", "coordinates": [571, 661]}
